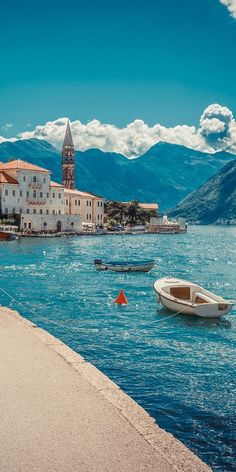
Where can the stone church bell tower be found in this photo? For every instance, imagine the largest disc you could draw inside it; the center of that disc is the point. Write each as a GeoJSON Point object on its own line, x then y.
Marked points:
{"type": "Point", "coordinates": [68, 160]}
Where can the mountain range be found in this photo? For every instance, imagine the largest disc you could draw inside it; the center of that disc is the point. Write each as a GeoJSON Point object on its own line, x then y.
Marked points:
{"type": "Point", "coordinates": [166, 173]}
{"type": "Point", "coordinates": [212, 202]}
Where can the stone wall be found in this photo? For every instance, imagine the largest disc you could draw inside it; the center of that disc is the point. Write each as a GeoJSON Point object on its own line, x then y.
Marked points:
{"type": "Point", "coordinates": [71, 223]}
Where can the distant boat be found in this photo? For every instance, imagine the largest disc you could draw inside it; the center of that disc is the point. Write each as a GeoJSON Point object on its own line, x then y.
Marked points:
{"type": "Point", "coordinates": [8, 232]}
{"type": "Point", "coordinates": [124, 266]}
{"type": "Point", "coordinates": [190, 299]}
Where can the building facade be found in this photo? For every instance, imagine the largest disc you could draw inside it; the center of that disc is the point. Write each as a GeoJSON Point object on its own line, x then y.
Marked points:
{"type": "Point", "coordinates": [43, 205]}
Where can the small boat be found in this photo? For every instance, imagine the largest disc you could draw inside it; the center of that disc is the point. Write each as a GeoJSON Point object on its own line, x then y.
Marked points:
{"type": "Point", "coordinates": [8, 233]}
{"type": "Point", "coordinates": [124, 266]}
{"type": "Point", "coordinates": [190, 299]}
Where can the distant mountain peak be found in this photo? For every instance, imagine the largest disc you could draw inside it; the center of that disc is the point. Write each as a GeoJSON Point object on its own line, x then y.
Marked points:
{"type": "Point", "coordinates": [165, 174]}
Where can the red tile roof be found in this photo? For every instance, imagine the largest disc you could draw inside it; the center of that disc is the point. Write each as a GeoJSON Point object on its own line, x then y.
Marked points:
{"type": "Point", "coordinates": [55, 184]}
{"type": "Point", "coordinates": [6, 179]}
{"type": "Point", "coordinates": [21, 165]}
{"type": "Point", "coordinates": [80, 193]}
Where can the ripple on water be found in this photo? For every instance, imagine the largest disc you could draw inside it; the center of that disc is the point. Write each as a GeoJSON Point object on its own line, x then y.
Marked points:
{"type": "Point", "coordinates": [182, 370]}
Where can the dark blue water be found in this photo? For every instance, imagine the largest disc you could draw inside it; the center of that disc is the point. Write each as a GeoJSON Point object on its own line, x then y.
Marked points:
{"type": "Point", "coordinates": [181, 370]}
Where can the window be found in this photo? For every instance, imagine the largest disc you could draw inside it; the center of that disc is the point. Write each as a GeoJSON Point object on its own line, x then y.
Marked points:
{"type": "Point", "coordinates": [44, 180]}
{"type": "Point", "coordinates": [75, 202]}
{"type": "Point", "coordinates": [6, 210]}
{"type": "Point", "coordinates": [90, 203]}
{"type": "Point", "coordinates": [34, 211]}
{"type": "Point", "coordinates": [41, 212]}
{"type": "Point", "coordinates": [25, 225]}
{"type": "Point", "coordinates": [6, 192]}
{"type": "Point", "coordinates": [20, 193]}
{"type": "Point", "coordinates": [13, 193]}
{"type": "Point", "coordinates": [34, 178]}
{"type": "Point", "coordinates": [27, 211]}
{"type": "Point", "coordinates": [27, 193]}
{"type": "Point", "coordinates": [79, 202]}
{"type": "Point", "coordinates": [90, 217]}
{"type": "Point", "coordinates": [59, 212]}
{"type": "Point", "coordinates": [67, 201]}
{"type": "Point", "coordinates": [41, 194]}
{"type": "Point", "coordinates": [98, 217]}
{"type": "Point", "coordinates": [47, 211]}
{"type": "Point", "coordinates": [34, 193]}
{"type": "Point", "coordinates": [47, 195]}
{"type": "Point", "coordinates": [53, 212]}
{"type": "Point", "coordinates": [20, 210]}
{"type": "Point", "coordinates": [53, 195]}
{"type": "Point", "coordinates": [87, 216]}
{"type": "Point", "coordinates": [87, 202]}
{"type": "Point", "coordinates": [98, 204]}
{"type": "Point", "coordinates": [24, 178]}
{"type": "Point", "coordinates": [59, 195]}
{"type": "Point", "coordinates": [13, 211]}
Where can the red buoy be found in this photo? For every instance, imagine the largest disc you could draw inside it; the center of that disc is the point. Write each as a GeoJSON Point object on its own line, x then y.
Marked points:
{"type": "Point", "coordinates": [121, 299]}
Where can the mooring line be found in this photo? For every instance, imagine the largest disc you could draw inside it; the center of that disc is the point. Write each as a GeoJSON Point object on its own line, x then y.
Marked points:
{"type": "Point", "coordinates": [74, 328]}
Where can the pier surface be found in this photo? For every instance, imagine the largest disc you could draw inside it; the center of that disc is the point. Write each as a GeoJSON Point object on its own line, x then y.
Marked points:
{"type": "Point", "coordinates": [59, 413]}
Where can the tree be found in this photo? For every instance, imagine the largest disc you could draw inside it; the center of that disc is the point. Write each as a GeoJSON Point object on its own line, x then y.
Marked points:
{"type": "Point", "coordinates": [117, 211]}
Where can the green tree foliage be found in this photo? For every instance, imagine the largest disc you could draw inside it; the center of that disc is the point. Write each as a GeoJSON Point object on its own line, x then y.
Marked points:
{"type": "Point", "coordinates": [131, 214]}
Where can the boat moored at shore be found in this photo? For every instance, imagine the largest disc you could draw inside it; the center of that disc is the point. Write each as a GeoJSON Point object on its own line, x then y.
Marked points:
{"type": "Point", "coordinates": [8, 232]}
{"type": "Point", "coordinates": [185, 297]}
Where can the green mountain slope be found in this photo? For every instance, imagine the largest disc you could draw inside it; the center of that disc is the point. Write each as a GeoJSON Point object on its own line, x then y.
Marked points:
{"type": "Point", "coordinates": [212, 202]}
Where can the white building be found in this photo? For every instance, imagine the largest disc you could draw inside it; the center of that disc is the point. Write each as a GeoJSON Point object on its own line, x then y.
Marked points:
{"type": "Point", "coordinates": [44, 205]}
{"type": "Point", "coordinates": [28, 190]}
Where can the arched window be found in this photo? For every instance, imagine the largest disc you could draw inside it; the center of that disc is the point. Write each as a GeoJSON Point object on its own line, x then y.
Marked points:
{"type": "Point", "coordinates": [34, 178]}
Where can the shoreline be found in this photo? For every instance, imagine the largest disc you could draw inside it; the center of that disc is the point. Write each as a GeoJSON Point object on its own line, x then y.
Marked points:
{"type": "Point", "coordinates": [156, 442]}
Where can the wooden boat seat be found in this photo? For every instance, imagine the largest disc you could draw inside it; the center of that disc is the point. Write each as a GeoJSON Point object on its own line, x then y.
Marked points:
{"type": "Point", "coordinates": [180, 292]}
{"type": "Point", "coordinates": [200, 298]}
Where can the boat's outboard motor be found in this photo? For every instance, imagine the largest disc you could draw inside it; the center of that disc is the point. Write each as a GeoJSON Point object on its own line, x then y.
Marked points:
{"type": "Point", "coordinates": [97, 261]}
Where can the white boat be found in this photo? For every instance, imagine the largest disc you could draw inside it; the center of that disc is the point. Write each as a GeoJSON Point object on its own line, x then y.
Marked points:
{"type": "Point", "coordinates": [124, 266]}
{"type": "Point", "coordinates": [8, 232]}
{"type": "Point", "coordinates": [190, 299]}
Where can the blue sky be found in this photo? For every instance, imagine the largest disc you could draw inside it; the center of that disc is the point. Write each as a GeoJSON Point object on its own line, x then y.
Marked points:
{"type": "Point", "coordinates": [161, 61]}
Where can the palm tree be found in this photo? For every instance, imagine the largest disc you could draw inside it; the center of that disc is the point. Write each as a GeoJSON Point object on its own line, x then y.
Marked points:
{"type": "Point", "coordinates": [133, 211]}
{"type": "Point", "coordinates": [117, 211]}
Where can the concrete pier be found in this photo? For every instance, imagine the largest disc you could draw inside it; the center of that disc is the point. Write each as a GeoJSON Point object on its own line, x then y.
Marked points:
{"type": "Point", "coordinates": [58, 413]}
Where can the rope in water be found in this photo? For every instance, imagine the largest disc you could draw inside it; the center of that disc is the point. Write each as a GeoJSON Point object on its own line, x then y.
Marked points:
{"type": "Point", "coordinates": [74, 328]}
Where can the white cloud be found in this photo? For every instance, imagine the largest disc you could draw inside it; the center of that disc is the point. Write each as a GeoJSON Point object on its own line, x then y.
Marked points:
{"type": "Point", "coordinates": [2, 139]}
{"type": "Point", "coordinates": [217, 126]}
{"type": "Point", "coordinates": [217, 130]}
{"type": "Point", "coordinates": [231, 5]}
{"type": "Point", "coordinates": [132, 140]}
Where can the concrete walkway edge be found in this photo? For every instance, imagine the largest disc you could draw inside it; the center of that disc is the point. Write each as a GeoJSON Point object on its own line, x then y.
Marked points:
{"type": "Point", "coordinates": [179, 457]}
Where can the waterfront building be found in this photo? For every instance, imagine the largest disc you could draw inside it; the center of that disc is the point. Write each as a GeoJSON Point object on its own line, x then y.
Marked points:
{"type": "Point", "coordinates": [89, 206]}
{"type": "Point", "coordinates": [148, 207]}
{"type": "Point", "coordinates": [28, 191]}
{"type": "Point", "coordinates": [42, 204]}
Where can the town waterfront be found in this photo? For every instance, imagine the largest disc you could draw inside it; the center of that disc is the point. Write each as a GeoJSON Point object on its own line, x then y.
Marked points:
{"type": "Point", "coordinates": [182, 370]}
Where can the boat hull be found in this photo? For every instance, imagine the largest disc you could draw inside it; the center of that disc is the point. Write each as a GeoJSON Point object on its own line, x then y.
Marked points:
{"type": "Point", "coordinates": [187, 298]}
{"type": "Point", "coordinates": [5, 236]}
{"type": "Point", "coordinates": [205, 311]}
{"type": "Point", "coordinates": [124, 267]}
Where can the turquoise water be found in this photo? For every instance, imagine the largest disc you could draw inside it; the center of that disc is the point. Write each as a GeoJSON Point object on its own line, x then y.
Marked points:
{"type": "Point", "coordinates": [181, 370]}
